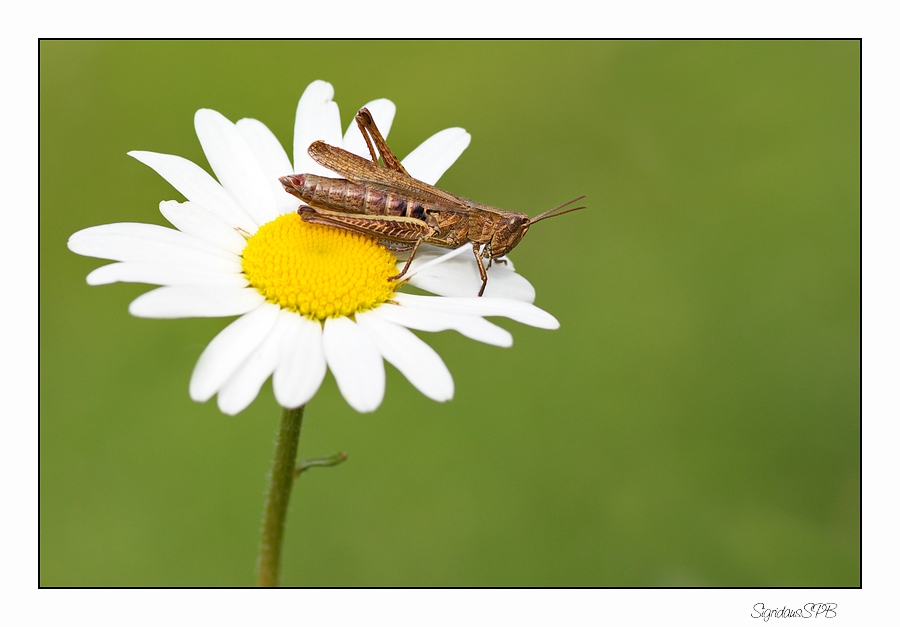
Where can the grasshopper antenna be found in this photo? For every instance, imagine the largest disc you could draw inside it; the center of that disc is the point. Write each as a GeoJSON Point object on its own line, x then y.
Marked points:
{"type": "Point", "coordinates": [550, 212]}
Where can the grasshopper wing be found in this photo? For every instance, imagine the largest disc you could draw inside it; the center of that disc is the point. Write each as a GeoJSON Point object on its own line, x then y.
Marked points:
{"type": "Point", "coordinates": [359, 170]}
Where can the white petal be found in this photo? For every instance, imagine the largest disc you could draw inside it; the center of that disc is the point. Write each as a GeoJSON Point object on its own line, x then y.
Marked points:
{"type": "Point", "coordinates": [459, 276]}
{"type": "Point", "coordinates": [193, 301]}
{"type": "Point", "coordinates": [244, 384]}
{"type": "Point", "coordinates": [235, 165]}
{"type": "Point", "coordinates": [383, 111]}
{"type": "Point", "coordinates": [317, 118]}
{"type": "Point", "coordinates": [526, 313]}
{"type": "Point", "coordinates": [272, 158]}
{"type": "Point", "coordinates": [161, 273]}
{"type": "Point", "coordinates": [228, 350]}
{"type": "Point", "coordinates": [197, 186]}
{"type": "Point", "coordinates": [301, 364]}
{"type": "Point", "coordinates": [415, 359]}
{"type": "Point", "coordinates": [473, 327]}
{"type": "Point", "coordinates": [128, 241]}
{"type": "Point", "coordinates": [355, 362]}
{"type": "Point", "coordinates": [202, 224]}
{"type": "Point", "coordinates": [266, 148]}
{"type": "Point", "coordinates": [436, 154]}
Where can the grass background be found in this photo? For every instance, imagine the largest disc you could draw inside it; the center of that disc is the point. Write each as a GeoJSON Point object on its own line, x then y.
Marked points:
{"type": "Point", "coordinates": [695, 421]}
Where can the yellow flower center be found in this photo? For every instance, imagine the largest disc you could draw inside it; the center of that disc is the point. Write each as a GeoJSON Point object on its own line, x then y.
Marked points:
{"type": "Point", "coordinates": [318, 271]}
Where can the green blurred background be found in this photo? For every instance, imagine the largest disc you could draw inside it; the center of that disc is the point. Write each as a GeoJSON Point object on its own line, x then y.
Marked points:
{"type": "Point", "coordinates": [695, 421]}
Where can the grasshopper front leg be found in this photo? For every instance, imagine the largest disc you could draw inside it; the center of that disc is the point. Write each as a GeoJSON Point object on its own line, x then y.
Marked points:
{"type": "Point", "coordinates": [481, 269]}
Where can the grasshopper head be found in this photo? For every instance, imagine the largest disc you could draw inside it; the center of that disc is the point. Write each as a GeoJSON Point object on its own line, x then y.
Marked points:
{"type": "Point", "coordinates": [513, 227]}
{"type": "Point", "coordinates": [508, 234]}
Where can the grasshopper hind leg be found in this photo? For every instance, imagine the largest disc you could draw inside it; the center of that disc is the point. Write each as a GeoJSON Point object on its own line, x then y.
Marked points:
{"type": "Point", "coordinates": [396, 247]}
{"type": "Point", "coordinates": [371, 134]}
{"type": "Point", "coordinates": [415, 247]}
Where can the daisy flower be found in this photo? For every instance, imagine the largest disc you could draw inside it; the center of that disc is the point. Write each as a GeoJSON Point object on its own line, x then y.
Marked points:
{"type": "Point", "coordinates": [307, 297]}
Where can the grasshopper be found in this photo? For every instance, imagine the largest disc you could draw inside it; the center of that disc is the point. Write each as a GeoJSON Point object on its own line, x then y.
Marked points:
{"type": "Point", "coordinates": [386, 203]}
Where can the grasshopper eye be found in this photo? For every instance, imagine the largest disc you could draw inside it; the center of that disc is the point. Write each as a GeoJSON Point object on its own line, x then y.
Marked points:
{"type": "Point", "coordinates": [517, 222]}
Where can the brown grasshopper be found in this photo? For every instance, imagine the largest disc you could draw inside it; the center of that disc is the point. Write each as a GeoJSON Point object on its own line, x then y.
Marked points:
{"type": "Point", "coordinates": [386, 203]}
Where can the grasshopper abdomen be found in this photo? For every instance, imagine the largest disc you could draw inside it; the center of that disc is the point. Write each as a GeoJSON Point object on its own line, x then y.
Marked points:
{"type": "Point", "coordinates": [344, 195]}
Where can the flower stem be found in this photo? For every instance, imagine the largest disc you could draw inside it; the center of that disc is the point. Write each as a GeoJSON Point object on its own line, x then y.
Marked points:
{"type": "Point", "coordinates": [280, 483]}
